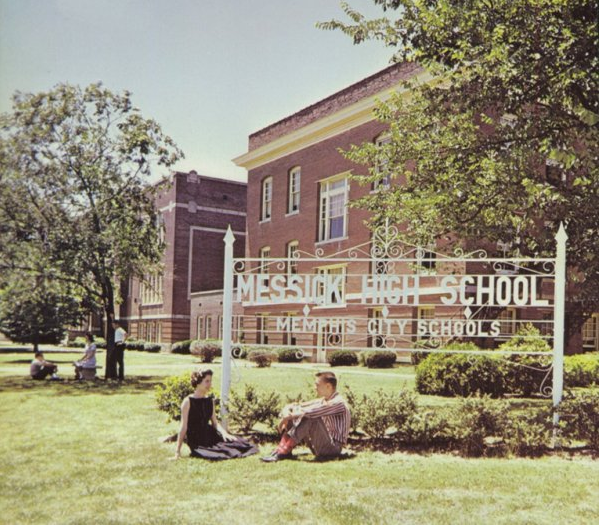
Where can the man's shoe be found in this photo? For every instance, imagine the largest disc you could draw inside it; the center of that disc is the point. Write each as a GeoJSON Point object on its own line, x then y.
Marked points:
{"type": "Point", "coordinates": [272, 458]}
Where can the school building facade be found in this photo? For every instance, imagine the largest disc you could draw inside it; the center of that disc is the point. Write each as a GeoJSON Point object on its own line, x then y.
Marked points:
{"type": "Point", "coordinates": [298, 195]}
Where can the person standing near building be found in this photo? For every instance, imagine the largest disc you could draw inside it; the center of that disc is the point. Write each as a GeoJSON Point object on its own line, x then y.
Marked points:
{"type": "Point", "coordinates": [120, 336]}
{"type": "Point", "coordinates": [322, 424]}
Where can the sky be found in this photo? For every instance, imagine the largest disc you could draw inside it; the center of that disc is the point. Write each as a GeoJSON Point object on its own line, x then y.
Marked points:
{"type": "Point", "coordinates": [211, 72]}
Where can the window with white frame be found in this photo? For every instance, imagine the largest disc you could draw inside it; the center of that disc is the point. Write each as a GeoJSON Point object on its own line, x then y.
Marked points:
{"type": "Point", "coordinates": [332, 209]}
{"type": "Point", "coordinates": [508, 322]}
{"type": "Point", "coordinates": [266, 199]}
{"type": "Point", "coordinates": [262, 337]}
{"type": "Point", "coordinates": [264, 254]}
{"type": "Point", "coordinates": [291, 254]}
{"type": "Point", "coordinates": [208, 327]}
{"type": "Point", "coordinates": [199, 326]}
{"type": "Point", "coordinates": [338, 298]}
{"type": "Point", "coordinates": [151, 289]}
{"type": "Point", "coordinates": [294, 190]}
{"type": "Point", "coordinates": [425, 313]}
{"type": "Point", "coordinates": [382, 167]}
{"type": "Point", "coordinates": [376, 340]}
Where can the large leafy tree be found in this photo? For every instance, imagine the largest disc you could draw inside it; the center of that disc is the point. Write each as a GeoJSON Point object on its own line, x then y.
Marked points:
{"type": "Point", "coordinates": [503, 144]}
{"type": "Point", "coordinates": [75, 202]}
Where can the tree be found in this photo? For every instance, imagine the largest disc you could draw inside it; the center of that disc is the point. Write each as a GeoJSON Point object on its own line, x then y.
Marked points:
{"type": "Point", "coordinates": [502, 145]}
{"type": "Point", "coordinates": [75, 202]}
{"type": "Point", "coordinates": [35, 310]}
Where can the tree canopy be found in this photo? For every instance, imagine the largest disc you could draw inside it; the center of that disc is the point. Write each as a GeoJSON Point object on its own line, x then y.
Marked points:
{"type": "Point", "coordinates": [503, 144]}
{"type": "Point", "coordinates": [75, 201]}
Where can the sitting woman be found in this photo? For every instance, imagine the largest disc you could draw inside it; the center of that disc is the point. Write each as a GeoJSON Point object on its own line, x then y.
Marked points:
{"type": "Point", "coordinates": [88, 360]}
{"type": "Point", "coordinates": [199, 426]}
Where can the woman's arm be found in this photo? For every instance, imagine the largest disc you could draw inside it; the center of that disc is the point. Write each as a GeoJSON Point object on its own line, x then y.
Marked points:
{"type": "Point", "coordinates": [185, 410]}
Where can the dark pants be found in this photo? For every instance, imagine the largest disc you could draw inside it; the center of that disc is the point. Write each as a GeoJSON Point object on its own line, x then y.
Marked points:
{"type": "Point", "coordinates": [45, 372]}
{"type": "Point", "coordinates": [314, 434]}
{"type": "Point", "coordinates": [119, 355]}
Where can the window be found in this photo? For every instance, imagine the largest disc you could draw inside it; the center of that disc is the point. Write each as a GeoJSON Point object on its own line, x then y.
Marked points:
{"type": "Point", "coordinates": [159, 332]}
{"type": "Point", "coordinates": [425, 313]}
{"type": "Point", "coordinates": [151, 289]}
{"type": "Point", "coordinates": [332, 209]}
{"type": "Point", "coordinates": [382, 164]}
{"type": "Point", "coordinates": [294, 190]}
{"type": "Point", "coordinates": [266, 199]}
{"type": "Point", "coordinates": [376, 340]}
{"type": "Point", "coordinates": [261, 329]}
{"type": "Point", "coordinates": [428, 256]}
{"type": "Point", "coordinates": [291, 253]}
{"type": "Point", "coordinates": [199, 327]}
{"type": "Point", "coordinates": [508, 325]}
{"type": "Point", "coordinates": [220, 327]}
{"type": "Point", "coordinates": [288, 336]}
{"type": "Point", "coordinates": [264, 254]}
{"type": "Point", "coordinates": [589, 332]}
{"type": "Point", "coordinates": [337, 296]}
{"type": "Point", "coordinates": [208, 327]}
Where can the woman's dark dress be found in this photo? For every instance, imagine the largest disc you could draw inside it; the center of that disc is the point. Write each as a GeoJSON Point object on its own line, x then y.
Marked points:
{"type": "Point", "coordinates": [205, 441]}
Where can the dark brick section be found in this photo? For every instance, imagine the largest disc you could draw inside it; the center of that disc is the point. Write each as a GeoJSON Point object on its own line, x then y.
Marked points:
{"type": "Point", "coordinates": [196, 211]}
{"type": "Point", "coordinates": [369, 86]}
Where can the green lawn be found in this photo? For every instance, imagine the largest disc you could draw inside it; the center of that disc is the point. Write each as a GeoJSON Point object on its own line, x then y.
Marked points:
{"type": "Point", "coordinates": [92, 453]}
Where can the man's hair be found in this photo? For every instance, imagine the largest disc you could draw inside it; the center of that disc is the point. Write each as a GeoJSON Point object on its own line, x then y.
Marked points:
{"type": "Point", "coordinates": [39, 354]}
{"type": "Point", "coordinates": [198, 376]}
{"type": "Point", "coordinates": [328, 377]}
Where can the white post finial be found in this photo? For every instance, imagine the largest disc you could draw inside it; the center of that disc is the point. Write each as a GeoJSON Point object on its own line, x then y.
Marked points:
{"type": "Point", "coordinates": [227, 320]}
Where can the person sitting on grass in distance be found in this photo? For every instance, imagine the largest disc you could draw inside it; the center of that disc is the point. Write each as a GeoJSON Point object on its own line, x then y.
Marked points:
{"type": "Point", "coordinates": [322, 424]}
{"type": "Point", "coordinates": [200, 428]}
{"type": "Point", "coordinates": [40, 369]}
{"type": "Point", "coordinates": [88, 359]}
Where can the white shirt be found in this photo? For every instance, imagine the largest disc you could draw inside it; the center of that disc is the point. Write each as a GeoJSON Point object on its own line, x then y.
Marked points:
{"type": "Point", "coordinates": [119, 335]}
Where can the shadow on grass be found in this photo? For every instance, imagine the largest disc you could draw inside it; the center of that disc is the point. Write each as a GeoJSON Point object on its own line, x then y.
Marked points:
{"type": "Point", "coordinates": [71, 387]}
{"type": "Point", "coordinates": [28, 361]}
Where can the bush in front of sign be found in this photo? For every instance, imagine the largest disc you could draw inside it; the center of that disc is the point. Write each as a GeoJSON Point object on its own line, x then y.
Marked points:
{"type": "Point", "coordinates": [378, 359]}
{"type": "Point", "coordinates": [342, 358]}
{"type": "Point", "coordinates": [206, 350]}
{"type": "Point", "coordinates": [250, 407]}
{"type": "Point", "coordinates": [460, 375]}
{"type": "Point", "coordinates": [579, 417]}
{"type": "Point", "coordinates": [171, 393]}
{"type": "Point", "coordinates": [181, 347]}
{"type": "Point", "coordinates": [289, 355]}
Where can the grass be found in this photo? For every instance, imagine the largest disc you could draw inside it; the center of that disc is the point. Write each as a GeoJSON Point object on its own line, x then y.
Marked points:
{"type": "Point", "coordinates": [92, 453]}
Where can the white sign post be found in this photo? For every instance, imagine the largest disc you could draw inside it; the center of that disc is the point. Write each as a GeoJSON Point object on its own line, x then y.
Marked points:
{"type": "Point", "coordinates": [559, 323]}
{"type": "Point", "coordinates": [227, 323]}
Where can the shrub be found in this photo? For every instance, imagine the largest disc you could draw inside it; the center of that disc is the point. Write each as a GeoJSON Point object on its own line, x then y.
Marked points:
{"type": "Point", "coordinates": [289, 355]}
{"type": "Point", "coordinates": [528, 433]}
{"type": "Point", "coordinates": [181, 347]}
{"type": "Point", "coordinates": [378, 359]}
{"type": "Point", "coordinates": [100, 342]}
{"type": "Point", "coordinates": [78, 342]}
{"type": "Point", "coordinates": [579, 417]}
{"type": "Point", "coordinates": [424, 428]}
{"type": "Point", "coordinates": [460, 375]}
{"type": "Point", "coordinates": [342, 358]}
{"type": "Point", "coordinates": [206, 351]}
{"type": "Point", "coordinates": [249, 408]}
{"type": "Point", "coordinates": [380, 412]}
{"type": "Point", "coordinates": [581, 370]}
{"type": "Point", "coordinates": [262, 357]}
{"type": "Point", "coordinates": [171, 393]}
{"type": "Point", "coordinates": [135, 344]}
{"type": "Point", "coordinates": [152, 347]}
{"type": "Point", "coordinates": [524, 374]}
{"type": "Point", "coordinates": [472, 421]}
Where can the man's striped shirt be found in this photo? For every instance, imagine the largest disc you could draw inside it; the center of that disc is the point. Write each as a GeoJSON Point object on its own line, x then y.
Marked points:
{"type": "Point", "coordinates": [335, 414]}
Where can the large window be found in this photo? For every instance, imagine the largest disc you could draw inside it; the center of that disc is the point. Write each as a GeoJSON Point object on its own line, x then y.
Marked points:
{"type": "Point", "coordinates": [508, 322]}
{"type": "Point", "coordinates": [382, 164]}
{"type": "Point", "coordinates": [589, 332]}
{"type": "Point", "coordinates": [332, 209]}
{"type": "Point", "coordinates": [294, 190]}
{"type": "Point", "coordinates": [151, 289]}
{"type": "Point", "coordinates": [266, 199]}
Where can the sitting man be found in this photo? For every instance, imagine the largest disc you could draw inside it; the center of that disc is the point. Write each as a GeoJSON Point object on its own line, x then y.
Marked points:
{"type": "Point", "coordinates": [323, 424]}
{"type": "Point", "coordinates": [40, 368]}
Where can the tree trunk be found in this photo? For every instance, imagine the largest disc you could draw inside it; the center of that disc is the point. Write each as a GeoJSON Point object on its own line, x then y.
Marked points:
{"type": "Point", "coordinates": [109, 310]}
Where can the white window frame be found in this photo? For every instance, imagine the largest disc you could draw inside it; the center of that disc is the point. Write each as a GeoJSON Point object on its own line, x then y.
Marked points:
{"type": "Point", "coordinates": [292, 264]}
{"type": "Point", "coordinates": [589, 332]}
{"type": "Point", "coordinates": [325, 270]}
{"type": "Point", "coordinates": [326, 194]}
{"type": "Point", "coordinates": [294, 179]}
{"type": "Point", "coordinates": [263, 254]}
{"type": "Point", "coordinates": [266, 197]}
{"type": "Point", "coordinates": [508, 325]}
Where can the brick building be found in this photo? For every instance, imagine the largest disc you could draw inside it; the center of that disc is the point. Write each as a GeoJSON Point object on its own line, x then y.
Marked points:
{"type": "Point", "coordinates": [298, 191]}
{"type": "Point", "coordinates": [195, 211]}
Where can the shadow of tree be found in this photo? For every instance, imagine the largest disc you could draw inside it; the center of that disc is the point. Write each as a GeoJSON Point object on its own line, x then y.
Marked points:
{"type": "Point", "coordinates": [70, 387]}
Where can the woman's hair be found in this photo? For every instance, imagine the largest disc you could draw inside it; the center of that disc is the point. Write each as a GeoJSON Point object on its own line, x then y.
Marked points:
{"type": "Point", "coordinates": [198, 376]}
{"type": "Point", "coordinates": [89, 336]}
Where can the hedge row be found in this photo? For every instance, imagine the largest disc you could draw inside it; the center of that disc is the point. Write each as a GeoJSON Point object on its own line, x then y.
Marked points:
{"type": "Point", "coordinates": [475, 426]}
